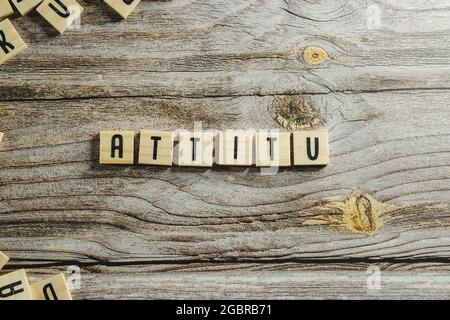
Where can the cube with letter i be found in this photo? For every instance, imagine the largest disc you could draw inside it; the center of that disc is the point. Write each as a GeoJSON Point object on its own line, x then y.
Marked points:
{"type": "Point", "coordinates": [311, 148]}
{"type": "Point", "coordinates": [156, 147]}
{"type": "Point", "coordinates": [116, 147]}
{"type": "Point", "coordinates": [60, 13]}
{"type": "Point", "coordinates": [273, 148]}
{"type": "Point", "coordinates": [123, 7]}
{"type": "Point", "coordinates": [195, 149]}
{"type": "Point", "coordinates": [15, 286]}
{"type": "Point", "coordinates": [235, 148]}
{"type": "Point", "coordinates": [11, 44]}
{"type": "Point", "coordinates": [54, 288]}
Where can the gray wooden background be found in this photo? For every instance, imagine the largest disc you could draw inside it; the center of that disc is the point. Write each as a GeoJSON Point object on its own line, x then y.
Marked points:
{"type": "Point", "coordinates": [147, 232]}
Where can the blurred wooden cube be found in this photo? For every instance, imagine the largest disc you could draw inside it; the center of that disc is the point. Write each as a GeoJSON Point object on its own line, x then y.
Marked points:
{"type": "Point", "coordinates": [5, 9]}
{"type": "Point", "coordinates": [60, 14]}
{"type": "Point", "coordinates": [25, 6]}
{"type": "Point", "coordinates": [3, 259]}
{"type": "Point", "coordinates": [11, 44]}
{"type": "Point", "coordinates": [54, 288]}
{"type": "Point", "coordinates": [15, 286]}
{"type": "Point", "coordinates": [123, 7]}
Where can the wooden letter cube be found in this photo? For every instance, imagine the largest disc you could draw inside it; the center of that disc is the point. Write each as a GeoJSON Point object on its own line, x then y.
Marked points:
{"type": "Point", "coordinates": [25, 6]}
{"type": "Point", "coordinates": [123, 7]}
{"type": "Point", "coordinates": [11, 44]}
{"type": "Point", "coordinates": [60, 13]}
{"type": "Point", "coordinates": [196, 149]}
{"type": "Point", "coordinates": [5, 9]}
{"type": "Point", "coordinates": [156, 147]}
{"type": "Point", "coordinates": [273, 149]}
{"type": "Point", "coordinates": [3, 260]}
{"type": "Point", "coordinates": [15, 286]}
{"type": "Point", "coordinates": [54, 288]}
{"type": "Point", "coordinates": [311, 148]}
{"type": "Point", "coordinates": [116, 147]}
{"type": "Point", "coordinates": [235, 148]}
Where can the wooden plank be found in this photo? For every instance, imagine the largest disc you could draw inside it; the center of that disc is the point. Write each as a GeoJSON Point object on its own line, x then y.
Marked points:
{"type": "Point", "coordinates": [242, 282]}
{"type": "Point", "coordinates": [378, 83]}
{"type": "Point", "coordinates": [59, 203]}
{"type": "Point", "coordinates": [233, 48]}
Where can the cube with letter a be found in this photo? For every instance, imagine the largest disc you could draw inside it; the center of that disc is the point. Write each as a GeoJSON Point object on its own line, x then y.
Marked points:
{"type": "Point", "coordinates": [195, 149]}
{"type": "Point", "coordinates": [54, 288]}
{"type": "Point", "coordinates": [311, 148]}
{"type": "Point", "coordinates": [15, 286]}
{"type": "Point", "coordinates": [116, 147]}
{"type": "Point", "coordinates": [156, 147]}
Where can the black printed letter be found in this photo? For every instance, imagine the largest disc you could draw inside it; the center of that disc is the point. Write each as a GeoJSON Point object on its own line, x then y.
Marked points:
{"type": "Point", "coordinates": [194, 147]}
{"type": "Point", "coordinates": [46, 289]}
{"type": "Point", "coordinates": [117, 144]}
{"type": "Point", "coordinates": [10, 290]}
{"type": "Point", "coordinates": [5, 45]}
{"type": "Point", "coordinates": [155, 146]}
{"type": "Point", "coordinates": [316, 148]}
{"type": "Point", "coordinates": [271, 141]}
{"type": "Point", "coordinates": [62, 14]}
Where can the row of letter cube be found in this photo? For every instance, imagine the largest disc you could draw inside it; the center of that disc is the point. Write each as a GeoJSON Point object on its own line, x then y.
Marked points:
{"type": "Point", "coordinates": [59, 13]}
{"type": "Point", "coordinates": [269, 148]}
{"type": "Point", "coordinates": [15, 286]}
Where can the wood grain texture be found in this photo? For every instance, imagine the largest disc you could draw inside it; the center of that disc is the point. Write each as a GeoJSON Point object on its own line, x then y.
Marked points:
{"type": "Point", "coordinates": [256, 281]}
{"type": "Point", "coordinates": [382, 94]}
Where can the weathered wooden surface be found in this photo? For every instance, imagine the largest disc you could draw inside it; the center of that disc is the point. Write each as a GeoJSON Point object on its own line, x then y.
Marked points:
{"type": "Point", "coordinates": [383, 95]}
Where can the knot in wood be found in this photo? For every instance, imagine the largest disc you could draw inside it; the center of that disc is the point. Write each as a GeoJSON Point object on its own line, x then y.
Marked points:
{"type": "Point", "coordinates": [314, 55]}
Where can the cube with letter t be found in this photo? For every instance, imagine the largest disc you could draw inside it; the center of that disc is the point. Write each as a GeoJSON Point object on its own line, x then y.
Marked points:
{"type": "Point", "coordinates": [195, 149]}
{"type": "Point", "coordinates": [273, 148]}
{"type": "Point", "coordinates": [156, 147]}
